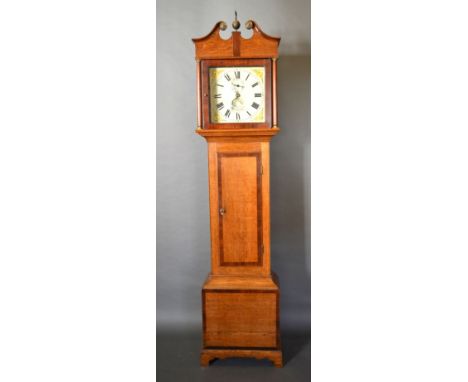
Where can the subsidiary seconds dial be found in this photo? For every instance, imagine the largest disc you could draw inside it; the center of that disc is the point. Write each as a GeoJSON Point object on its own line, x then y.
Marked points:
{"type": "Point", "coordinates": [237, 94]}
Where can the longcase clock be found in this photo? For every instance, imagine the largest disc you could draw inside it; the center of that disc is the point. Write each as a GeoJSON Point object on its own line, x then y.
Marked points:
{"type": "Point", "coordinates": [237, 115]}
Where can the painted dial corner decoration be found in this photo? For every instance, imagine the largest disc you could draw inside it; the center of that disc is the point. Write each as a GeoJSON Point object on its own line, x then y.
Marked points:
{"type": "Point", "coordinates": [237, 94]}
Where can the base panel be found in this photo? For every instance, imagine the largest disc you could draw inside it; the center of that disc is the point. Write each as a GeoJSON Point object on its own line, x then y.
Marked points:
{"type": "Point", "coordinates": [209, 355]}
{"type": "Point", "coordinates": [241, 318]}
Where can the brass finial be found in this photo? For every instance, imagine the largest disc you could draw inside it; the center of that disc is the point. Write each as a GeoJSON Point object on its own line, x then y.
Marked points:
{"type": "Point", "coordinates": [249, 24]}
{"type": "Point", "coordinates": [235, 23]}
{"type": "Point", "coordinates": [222, 26]}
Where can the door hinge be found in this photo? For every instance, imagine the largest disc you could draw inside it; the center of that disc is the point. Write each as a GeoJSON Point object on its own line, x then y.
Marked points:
{"type": "Point", "coordinates": [262, 169]}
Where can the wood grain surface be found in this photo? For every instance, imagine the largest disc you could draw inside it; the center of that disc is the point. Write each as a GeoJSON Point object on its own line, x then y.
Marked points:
{"type": "Point", "coordinates": [214, 46]}
{"type": "Point", "coordinates": [240, 199]}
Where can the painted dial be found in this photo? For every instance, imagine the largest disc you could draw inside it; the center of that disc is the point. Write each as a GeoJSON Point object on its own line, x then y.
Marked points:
{"type": "Point", "coordinates": [237, 94]}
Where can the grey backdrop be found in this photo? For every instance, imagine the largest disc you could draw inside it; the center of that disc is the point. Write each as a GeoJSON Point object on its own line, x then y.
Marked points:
{"type": "Point", "coordinates": [183, 241]}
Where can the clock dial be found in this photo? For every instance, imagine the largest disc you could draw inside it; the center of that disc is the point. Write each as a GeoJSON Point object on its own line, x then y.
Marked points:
{"type": "Point", "coordinates": [237, 94]}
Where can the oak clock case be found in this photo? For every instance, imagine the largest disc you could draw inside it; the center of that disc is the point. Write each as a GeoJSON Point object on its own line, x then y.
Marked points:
{"type": "Point", "coordinates": [237, 115]}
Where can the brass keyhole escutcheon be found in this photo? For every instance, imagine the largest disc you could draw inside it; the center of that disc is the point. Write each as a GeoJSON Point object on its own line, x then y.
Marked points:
{"type": "Point", "coordinates": [222, 211]}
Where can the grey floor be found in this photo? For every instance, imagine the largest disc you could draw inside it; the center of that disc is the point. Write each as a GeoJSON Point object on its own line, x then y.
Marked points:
{"type": "Point", "coordinates": [178, 360]}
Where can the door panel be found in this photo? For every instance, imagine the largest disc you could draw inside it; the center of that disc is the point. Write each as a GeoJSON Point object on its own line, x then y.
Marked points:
{"type": "Point", "coordinates": [240, 204]}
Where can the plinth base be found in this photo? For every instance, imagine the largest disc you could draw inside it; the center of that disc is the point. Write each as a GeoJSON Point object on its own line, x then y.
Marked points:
{"type": "Point", "coordinates": [208, 355]}
{"type": "Point", "coordinates": [241, 318]}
